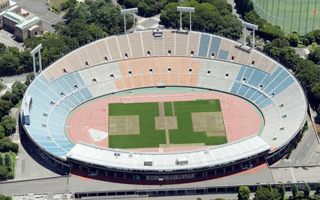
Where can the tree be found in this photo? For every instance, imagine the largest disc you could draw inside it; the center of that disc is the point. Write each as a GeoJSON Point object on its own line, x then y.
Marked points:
{"type": "Point", "coordinates": [315, 55]}
{"type": "Point", "coordinates": [2, 197]}
{"type": "Point", "coordinates": [7, 145]}
{"type": "Point", "coordinates": [317, 192]}
{"type": "Point", "coordinates": [294, 191]}
{"type": "Point", "coordinates": [244, 193]}
{"type": "Point", "coordinates": [210, 16]}
{"type": "Point", "coordinates": [244, 6]}
{"type": "Point", "coordinates": [7, 161]}
{"type": "Point", "coordinates": [9, 124]}
{"type": "Point", "coordinates": [282, 191]}
{"type": "Point", "coordinates": [306, 190]}
{"type": "Point", "coordinates": [293, 39]}
{"type": "Point", "coordinates": [266, 193]}
{"type": "Point", "coordinates": [5, 106]}
{"type": "Point", "coordinates": [2, 132]}
{"type": "Point", "coordinates": [8, 63]}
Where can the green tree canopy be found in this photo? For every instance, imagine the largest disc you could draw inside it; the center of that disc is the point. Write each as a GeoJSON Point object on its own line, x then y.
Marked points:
{"type": "Point", "coordinates": [244, 193]}
{"type": "Point", "coordinates": [266, 193]}
{"type": "Point", "coordinates": [315, 55]}
{"type": "Point", "coordinates": [210, 16]}
{"type": "Point", "coordinates": [9, 124]}
{"type": "Point", "coordinates": [2, 132]}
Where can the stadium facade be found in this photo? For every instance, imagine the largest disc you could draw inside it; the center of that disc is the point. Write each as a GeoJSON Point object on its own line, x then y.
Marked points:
{"type": "Point", "coordinates": [301, 16]}
{"type": "Point", "coordinates": [95, 70]}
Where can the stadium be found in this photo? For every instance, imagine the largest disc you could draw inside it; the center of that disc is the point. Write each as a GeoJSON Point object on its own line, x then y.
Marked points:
{"type": "Point", "coordinates": [163, 107]}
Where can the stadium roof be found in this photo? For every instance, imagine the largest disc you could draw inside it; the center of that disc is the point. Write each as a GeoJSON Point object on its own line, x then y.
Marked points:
{"type": "Point", "coordinates": [195, 159]}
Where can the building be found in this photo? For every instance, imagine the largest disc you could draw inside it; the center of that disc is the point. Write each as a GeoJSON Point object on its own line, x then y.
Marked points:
{"type": "Point", "coordinates": [299, 16]}
{"type": "Point", "coordinates": [21, 24]}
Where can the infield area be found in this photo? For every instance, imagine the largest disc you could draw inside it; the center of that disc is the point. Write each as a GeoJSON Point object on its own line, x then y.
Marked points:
{"type": "Point", "coordinates": [162, 124]}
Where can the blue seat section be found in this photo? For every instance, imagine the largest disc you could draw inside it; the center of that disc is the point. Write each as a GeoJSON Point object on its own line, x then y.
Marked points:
{"type": "Point", "coordinates": [86, 93]}
{"type": "Point", "coordinates": [215, 45]}
{"type": "Point", "coordinates": [256, 77]}
{"type": "Point", "coordinates": [265, 103]}
{"type": "Point", "coordinates": [43, 85]}
{"type": "Point", "coordinates": [283, 85]}
{"type": "Point", "coordinates": [223, 55]}
{"type": "Point", "coordinates": [272, 84]}
{"type": "Point", "coordinates": [248, 72]}
{"type": "Point", "coordinates": [235, 87]}
{"type": "Point", "coordinates": [276, 81]}
{"type": "Point", "coordinates": [241, 72]}
{"type": "Point", "coordinates": [261, 99]}
{"type": "Point", "coordinates": [243, 89]}
{"type": "Point", "coordinates": [256, 95]}
{"type": "Point", "coordinates": [250, 92]}
{"type": "Point", "coordinates": [47, 120]}
{"type": "Point", "coordinates": [269, 78]}
{"type": "Point", "coordinates": [204, 43]}
{"type": "Point", "coordinates": [78, 78]}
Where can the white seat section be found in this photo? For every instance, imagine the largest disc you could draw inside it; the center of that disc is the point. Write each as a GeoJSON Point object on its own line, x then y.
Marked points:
{"type": "Point", "coordinates": [272, 65]}
{"type": "Point", "coordinates": [103, 50]}
{"type": "Point", "coordinates": [93, 54]}
{"type": "Point", "coordinates": [83, 57]}
{"type": "Point", "coordinates": [136, 44]}
{"type": "Point", "coordinates": [238, 55]}
{"type": "Point", "coordinates": [169, 42]}
{"type": "Point", "coordinates": [113, 48]}
{"type": "Point", "coordinates": [181, 44]}
{"type": "Point", "coordinates": [158, 47]}
{"type": "Point", "coordinates": [71, 62]}
{"type": "Point", "coordinates": [124, 46]}
{"type": "Point", "coordinates": [147, 38]}
{"type": "Point", "coordinates": [57, 71]}
{"type": "Point", "coordinates": [193, 43]}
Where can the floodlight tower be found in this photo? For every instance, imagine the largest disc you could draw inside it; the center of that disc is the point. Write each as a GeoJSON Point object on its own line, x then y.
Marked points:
{"type": "Point", "coordinates": [128, 11]}
{"type": "Point", "coordinates": [182, 9]}
{"type": "Point", "coordinates": [254, 28]}
{"type": "Point", "coordinates": [33, 53]}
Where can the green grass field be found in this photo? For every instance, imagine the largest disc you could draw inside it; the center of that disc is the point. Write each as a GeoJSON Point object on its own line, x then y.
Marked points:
{"type": "Point", "coordinates": [291, 15]}
{"type": "Point", "coordinates": [149, 137]}
{"type": "Point", "coordinates": [185, 134]}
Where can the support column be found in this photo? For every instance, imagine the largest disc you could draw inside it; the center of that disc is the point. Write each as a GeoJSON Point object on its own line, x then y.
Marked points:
{"type": "Point", "coordinates": [34, 66]}
{"type": "Point", "coordinates": [134, 22]}
{"type": "Point", "coordinates": [253, 38]}
{"type": "Point", "coordinates": [40, 63]}
{"type": "Point", "coordinates": [125, 23]}
{"type": "Point", "coordinates": [190, 21]}
{"type": "Point", "coordinates": [180, 21]}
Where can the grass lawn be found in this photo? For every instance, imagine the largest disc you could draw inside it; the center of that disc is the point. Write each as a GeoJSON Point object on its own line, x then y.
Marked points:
{"type": "Point", "coordinates": [185, 134]}
{"type": "Point", "coordinates": [149, 137]}
{"type": "Point", "coordinates": [300, 15]}
{"type": "Point", "coordinates": [57, 3]}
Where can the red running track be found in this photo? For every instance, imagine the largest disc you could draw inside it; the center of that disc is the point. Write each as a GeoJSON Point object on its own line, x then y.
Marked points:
{"type": "Point", "coordinates": [241, 118]}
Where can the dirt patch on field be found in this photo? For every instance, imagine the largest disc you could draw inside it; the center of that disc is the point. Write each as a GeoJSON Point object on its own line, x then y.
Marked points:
{"type": "Point", "coordinates": [166, 123]}
{"type": "Point", "coordinates": [209, 122]}
{"type": "Point", "coordinates": [124, 125]}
